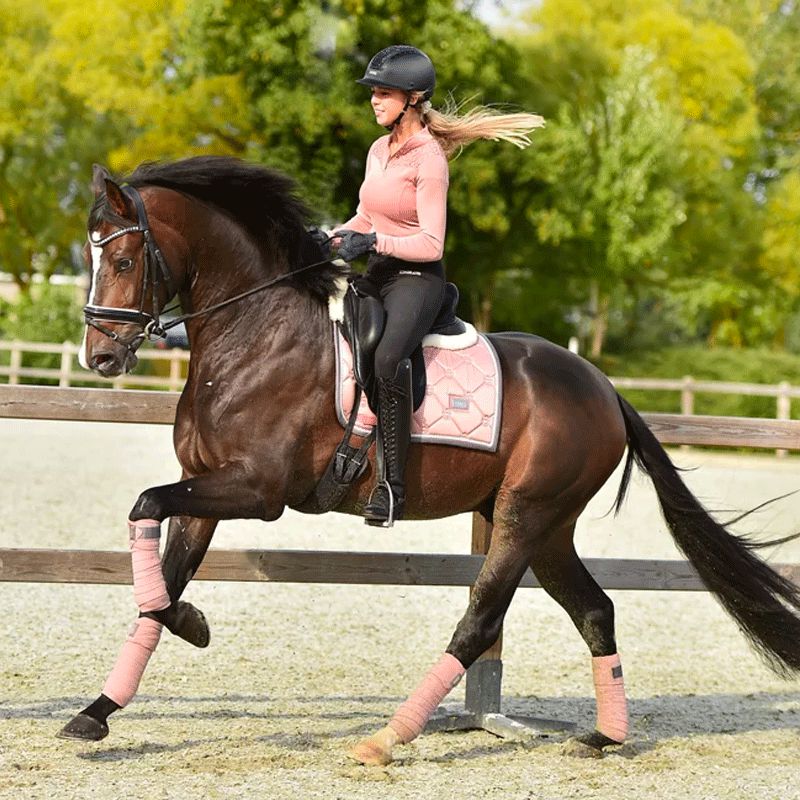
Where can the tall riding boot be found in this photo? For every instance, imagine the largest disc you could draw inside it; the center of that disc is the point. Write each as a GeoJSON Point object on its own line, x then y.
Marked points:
{"type": "Point", "coordinates": [387, 501]}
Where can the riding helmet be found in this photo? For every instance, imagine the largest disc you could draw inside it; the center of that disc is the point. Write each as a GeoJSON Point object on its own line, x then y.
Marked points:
{"type": "Point", "coordinates": [401, 67]}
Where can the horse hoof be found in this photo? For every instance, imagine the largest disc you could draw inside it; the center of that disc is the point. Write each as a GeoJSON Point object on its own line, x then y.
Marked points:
{"type": "Point", "coordinates": [190, 625]}
{"type": "Point", "coordinates": [376, 751]}
{"type": "Point", "coordinates": [370, 754]}
{"type": "Point", "coordinates": [579, 749]}
{"type": "Point", "coordinates": [85, 728]}
{"type": "Point", "coordinates": [589, 745]}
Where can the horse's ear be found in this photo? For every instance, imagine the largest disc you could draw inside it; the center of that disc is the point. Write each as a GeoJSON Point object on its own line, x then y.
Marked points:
{"type": "Point", "coordinates": [119, 203]}
{"type": "Point", "coordinates": [99, 176]}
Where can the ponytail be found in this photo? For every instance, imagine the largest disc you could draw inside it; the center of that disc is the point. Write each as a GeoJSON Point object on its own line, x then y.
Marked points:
{"type": "Point", "coordinates": [453, 130]}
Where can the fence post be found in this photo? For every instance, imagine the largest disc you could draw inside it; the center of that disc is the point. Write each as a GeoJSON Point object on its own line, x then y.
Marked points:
{"type": "Point", "coordinates": [687, 400]}
{"type": "Point", "coordinates": [784, 409]}
{"type": "Point", "coordinates": [66, 364]}
{"type": "Point", "coordinates": [174, 370]}
{"type": "Point", "coordinates": [485, 676]}
{"type": "Point", "coordinates": [15, 363]}
{"type": "Point", "coordinates": [687, 395]}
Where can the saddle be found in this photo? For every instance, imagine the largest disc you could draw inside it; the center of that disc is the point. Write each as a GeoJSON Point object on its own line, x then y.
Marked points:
{"type": "Point", "coordinates": [362, 327]}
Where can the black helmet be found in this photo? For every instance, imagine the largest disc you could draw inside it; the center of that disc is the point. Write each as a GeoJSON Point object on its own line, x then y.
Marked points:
{"type": "Point", "coordinates": [401, 67]}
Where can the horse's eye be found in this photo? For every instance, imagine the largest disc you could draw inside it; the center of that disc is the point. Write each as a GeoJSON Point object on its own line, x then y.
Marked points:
{"type": "Point", "coordinates": [124, 264]}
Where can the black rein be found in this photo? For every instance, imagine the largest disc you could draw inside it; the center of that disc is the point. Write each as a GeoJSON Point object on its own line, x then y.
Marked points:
{"type": "Point", "coordinates": [155, 269]}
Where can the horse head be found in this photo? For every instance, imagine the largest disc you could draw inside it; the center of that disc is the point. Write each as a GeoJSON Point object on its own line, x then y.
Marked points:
{"type": "Point", "coordinates": [130, 280]}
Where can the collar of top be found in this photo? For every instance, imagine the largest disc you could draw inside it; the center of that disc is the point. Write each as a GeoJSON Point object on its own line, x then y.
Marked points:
{"type": "Point", "coordinates": [419, 139]}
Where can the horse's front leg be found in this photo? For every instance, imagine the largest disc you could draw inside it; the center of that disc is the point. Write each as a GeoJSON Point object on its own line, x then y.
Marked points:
{"type": "Point", "coordinates": [158, 587]}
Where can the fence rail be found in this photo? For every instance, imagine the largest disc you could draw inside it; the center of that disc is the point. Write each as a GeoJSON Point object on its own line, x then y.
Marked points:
{"type": "Point", "coordinates": [70, 372]}
{"type": "Point", "coordinates": [129, 405]}
{"type": "Point", "coordinates": [174, 363]}
{"type": "Point", "coordinates": [341, 567]}
{"type": "Point", "coordinates": [783, 392]}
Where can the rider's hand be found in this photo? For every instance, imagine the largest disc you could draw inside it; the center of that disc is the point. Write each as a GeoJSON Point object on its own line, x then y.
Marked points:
{"type": "Point", "coordinates": [353, 244]}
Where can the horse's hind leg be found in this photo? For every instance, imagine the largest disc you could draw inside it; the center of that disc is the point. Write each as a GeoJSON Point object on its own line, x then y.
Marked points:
{"type": "Point", "coordinates": [187, 543]}
{"type": "Point", "coordinates": [564, 577]}
{"type": "Point", "coordinates": [478, 629]}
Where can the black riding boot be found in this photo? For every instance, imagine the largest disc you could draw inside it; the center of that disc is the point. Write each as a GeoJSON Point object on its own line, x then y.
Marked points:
{"type": "Point", "coordinates": [387, 501]}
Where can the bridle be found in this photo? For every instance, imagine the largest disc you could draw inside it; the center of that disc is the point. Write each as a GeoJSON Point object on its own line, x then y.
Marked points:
{"type": "Point", "coordinates": [156, 272]}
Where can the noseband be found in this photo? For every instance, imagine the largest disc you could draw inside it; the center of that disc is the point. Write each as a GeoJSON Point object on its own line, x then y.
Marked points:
{"type": "Point", "coordinates": [156, 269]}
{"type": "Point", "coordinates": [155, 272]}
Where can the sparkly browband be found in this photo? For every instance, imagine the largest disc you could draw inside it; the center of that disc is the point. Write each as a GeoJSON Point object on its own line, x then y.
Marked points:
{"type": "Point", "coordinates": [111, 236]}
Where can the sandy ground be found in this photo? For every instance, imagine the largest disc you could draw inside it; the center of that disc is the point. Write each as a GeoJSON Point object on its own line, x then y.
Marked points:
{"type": "Point", "coordinates": [297, 673]}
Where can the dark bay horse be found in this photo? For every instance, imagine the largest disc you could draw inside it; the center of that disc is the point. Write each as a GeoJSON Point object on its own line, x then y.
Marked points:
{"type": "Point", "coordinates": [256, 426]}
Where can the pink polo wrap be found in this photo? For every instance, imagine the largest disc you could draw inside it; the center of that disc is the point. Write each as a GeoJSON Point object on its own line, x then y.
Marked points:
{"type": "Point", "coordinates": [149, 588]}
{"type": "Point", "coordinates": [123, 682]}
{"type": "Point", "coordinates": [411, 717]}
{"type": "Point", "coordinates": [609, 689]}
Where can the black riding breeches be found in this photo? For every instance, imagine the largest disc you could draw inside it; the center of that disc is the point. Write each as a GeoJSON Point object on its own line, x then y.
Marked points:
{"type": "Point", "coordinates": [412, 295]}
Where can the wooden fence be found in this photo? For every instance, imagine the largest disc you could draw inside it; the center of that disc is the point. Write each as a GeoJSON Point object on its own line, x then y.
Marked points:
{"type": "Point", "coordinates": [174, 363]}
{"type": "Point", "coordinates": [104, 405]}
{"type": "Point", "coordinates": [484, 678]}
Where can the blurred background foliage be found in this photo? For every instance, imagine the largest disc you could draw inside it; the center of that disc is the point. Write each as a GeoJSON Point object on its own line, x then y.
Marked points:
{"type": "Point", "coordinates": [659, 208]}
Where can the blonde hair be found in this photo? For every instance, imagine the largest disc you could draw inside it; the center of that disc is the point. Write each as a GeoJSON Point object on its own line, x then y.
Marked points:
{"type": "Point", "coordinates": [454, 130]}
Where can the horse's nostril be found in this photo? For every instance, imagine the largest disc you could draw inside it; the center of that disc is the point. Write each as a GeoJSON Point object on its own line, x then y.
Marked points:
{"type": "Point", "coordinates": [105, 364]}
{"type": "Point", "coordinates": [100, 359]}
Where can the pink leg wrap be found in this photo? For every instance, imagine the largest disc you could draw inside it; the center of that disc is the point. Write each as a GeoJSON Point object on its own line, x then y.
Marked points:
{"type": "Point", "coordinates": [149, 588]}
{"type": "Point", "coordinates": [411, 717]}
{"type": "Point", "coordinates": [123, 682]}
{"type": "Point", "coordinates": [609, 689]}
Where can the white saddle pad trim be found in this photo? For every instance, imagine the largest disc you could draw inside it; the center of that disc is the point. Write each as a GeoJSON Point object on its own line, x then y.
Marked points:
{"type": "Point", "coordinates": [459, 341]}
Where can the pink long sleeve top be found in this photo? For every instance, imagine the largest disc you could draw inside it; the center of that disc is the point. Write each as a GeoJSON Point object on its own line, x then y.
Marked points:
{"type": "Point", "coordinates": [403, 198]}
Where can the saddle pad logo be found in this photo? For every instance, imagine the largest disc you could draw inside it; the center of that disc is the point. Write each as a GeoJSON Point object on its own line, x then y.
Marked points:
{"type": "Point", "coordinates": [463, 396]}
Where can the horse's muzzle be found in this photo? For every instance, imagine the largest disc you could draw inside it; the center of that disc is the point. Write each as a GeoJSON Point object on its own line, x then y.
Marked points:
{"type": "Point", "coordinates": [110, 364]}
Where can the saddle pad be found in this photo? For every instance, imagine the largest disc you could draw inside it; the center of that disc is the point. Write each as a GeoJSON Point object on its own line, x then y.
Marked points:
{"type": "Point", "coordinates": [463, 396]}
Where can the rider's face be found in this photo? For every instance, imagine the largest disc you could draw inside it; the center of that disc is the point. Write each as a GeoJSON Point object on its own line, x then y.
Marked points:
{"type": "Point", "coordinates": [387, 103]}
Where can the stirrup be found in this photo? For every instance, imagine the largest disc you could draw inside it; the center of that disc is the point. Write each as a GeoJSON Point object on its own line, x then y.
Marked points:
{"type": "Point", "coordinates": [376, 521]}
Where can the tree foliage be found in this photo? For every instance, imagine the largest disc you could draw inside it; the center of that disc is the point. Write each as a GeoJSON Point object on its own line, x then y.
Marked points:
{"type": "Point", "coordinates": [666, 182]}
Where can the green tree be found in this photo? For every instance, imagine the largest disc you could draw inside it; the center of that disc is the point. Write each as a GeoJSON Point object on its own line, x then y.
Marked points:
{"type": "Point", "coordinates": [47, 139]}
{"type": "Point", "coordinates": [296, 62]}
{"type": "Point", "coordinates": [613, 199]}
{"type": "Point", "coordinates": [703, 73]}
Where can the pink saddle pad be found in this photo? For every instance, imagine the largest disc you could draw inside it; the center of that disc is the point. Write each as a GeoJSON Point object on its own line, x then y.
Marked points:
{"type": "Point", "coordinates": [463, 396]}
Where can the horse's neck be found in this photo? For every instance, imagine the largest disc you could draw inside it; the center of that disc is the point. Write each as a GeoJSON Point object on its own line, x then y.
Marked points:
{"type": "Point", "coordinates": [224, 261]}
{"type": "Point", "coordinates": [257, 328]}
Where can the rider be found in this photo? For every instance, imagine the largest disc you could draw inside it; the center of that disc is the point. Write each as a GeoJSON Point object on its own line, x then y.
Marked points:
{"type": "Point", "coordinates": [400, 223]}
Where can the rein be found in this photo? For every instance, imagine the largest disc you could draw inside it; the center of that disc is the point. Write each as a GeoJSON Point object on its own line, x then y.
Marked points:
{"type": "Point", "coordinates": [155, 267]}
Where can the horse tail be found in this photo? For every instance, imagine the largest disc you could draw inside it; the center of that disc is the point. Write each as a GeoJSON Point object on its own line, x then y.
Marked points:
{"type": "Point", "coordinates": [764, 604]}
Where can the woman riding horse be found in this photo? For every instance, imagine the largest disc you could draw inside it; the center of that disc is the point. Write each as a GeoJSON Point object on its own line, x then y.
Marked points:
{"type": "Point", "coordinates": [400, 222]}
{"type": "Point", "coordinates": [256, 426]}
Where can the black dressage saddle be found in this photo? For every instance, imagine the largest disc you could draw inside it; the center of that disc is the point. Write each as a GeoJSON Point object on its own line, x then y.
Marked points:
{"type": "Point", "coordinates": [362, 327]}
{"type": "Point", "coordinates": [364, 320]}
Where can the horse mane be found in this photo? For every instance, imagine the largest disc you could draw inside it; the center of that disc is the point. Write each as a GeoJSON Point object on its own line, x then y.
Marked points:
{"type": "Point", "coordinates": [264, 201]}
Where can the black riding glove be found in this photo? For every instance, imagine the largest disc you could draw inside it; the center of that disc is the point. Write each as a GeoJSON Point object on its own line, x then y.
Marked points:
{"type": "Point", "coordinates": [354, 244]}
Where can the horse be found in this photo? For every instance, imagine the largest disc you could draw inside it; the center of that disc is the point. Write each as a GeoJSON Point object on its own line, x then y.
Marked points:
{"type": "Point", "coordinates": [255, 429]}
